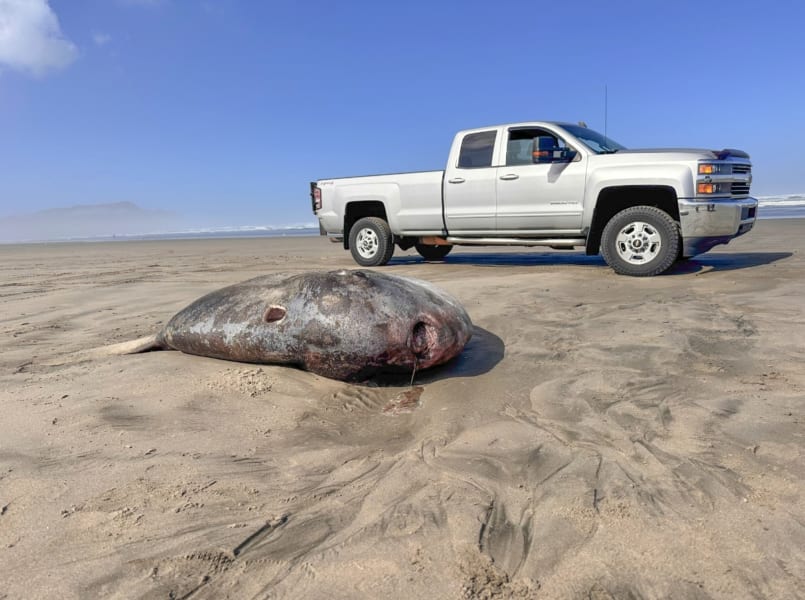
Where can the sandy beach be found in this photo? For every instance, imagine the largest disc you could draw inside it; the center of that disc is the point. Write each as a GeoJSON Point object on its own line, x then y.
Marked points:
{"type": "Point", "coordinates": [600, 437]}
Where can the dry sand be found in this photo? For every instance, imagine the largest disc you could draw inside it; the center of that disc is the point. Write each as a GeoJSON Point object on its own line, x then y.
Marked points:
{"type": "Point", "coordinates": [600, 437]}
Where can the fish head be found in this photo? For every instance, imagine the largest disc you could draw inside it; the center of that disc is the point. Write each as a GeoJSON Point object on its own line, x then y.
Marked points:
{"type": "Point", "coordinates": [388, 322]}
{"type": "Point", "coordinates": [437, 327]}
{"type": "Point", "coordinates": [436, 338]}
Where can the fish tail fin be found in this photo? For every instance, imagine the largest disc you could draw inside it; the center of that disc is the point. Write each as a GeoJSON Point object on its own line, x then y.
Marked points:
{"type": "Point", "coordinates": [143, 344]}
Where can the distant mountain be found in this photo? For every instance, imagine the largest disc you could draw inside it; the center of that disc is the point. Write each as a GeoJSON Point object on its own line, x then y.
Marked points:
{"type": "Point", "coordinates": [85, 221]}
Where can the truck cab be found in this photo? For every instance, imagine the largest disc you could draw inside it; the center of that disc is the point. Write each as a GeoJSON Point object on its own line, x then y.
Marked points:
{"type": "Point", "coordinates": [535, 176]}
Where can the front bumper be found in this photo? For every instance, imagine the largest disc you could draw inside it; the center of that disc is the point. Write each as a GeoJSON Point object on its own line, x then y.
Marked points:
{"type": "Point", "coordinates": [708, 223]}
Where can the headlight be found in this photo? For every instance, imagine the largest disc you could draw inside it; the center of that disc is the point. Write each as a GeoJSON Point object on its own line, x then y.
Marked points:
{"type": "Point", "coordinates": [710, 169]}
{"type": "Point", "coordinates": [712, 188]}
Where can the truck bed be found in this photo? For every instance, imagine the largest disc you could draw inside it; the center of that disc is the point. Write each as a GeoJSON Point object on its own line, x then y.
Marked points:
{"type": "Point", "coordinates": [413, 201]}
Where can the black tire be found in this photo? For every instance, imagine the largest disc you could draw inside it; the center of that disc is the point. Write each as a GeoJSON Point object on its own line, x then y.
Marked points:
{"type": "Point", "coordinates": [681, 257]}
{"type": "Point", "coordinates": [371, 242]}
{"type": "Point", "coordinates": [640, 241]}
{"type": "Point", "coordinates": [433, 252]}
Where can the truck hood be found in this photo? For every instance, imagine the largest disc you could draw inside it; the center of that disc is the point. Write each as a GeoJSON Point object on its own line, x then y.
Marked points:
{"type": "Point", "coordinates": [698, 152]}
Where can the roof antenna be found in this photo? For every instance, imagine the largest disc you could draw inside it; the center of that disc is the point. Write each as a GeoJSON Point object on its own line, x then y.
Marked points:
{"type": "Point", "coordinates": [606, 111]}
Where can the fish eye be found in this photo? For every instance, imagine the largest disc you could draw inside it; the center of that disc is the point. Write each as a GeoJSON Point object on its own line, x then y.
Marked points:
{"type": "Point", "coordinates": [274, 314]}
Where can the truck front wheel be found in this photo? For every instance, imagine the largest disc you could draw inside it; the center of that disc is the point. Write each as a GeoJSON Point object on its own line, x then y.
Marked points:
{"type": "Point", "coordinates": [640, 241]}
{"type": "Point", "coordinates": [433, 252]}
{"type": "Point", "coordinates": [371, 242]}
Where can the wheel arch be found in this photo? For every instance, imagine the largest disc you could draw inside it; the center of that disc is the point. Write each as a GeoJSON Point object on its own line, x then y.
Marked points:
{"type": "Point", "coordinates": [613, 200]}
{"type": "Point", "coordinates": [358, 209]}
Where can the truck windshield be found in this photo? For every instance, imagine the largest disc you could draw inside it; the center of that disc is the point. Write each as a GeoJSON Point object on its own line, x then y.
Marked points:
{"type": "Point", "coordinates": [595, 141]}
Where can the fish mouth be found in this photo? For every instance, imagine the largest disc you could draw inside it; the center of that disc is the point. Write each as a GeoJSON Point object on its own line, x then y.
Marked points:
{"type": "Point", "coordinates": [433, 342]}
{"type": "Point", "coordinates": [423, 341]}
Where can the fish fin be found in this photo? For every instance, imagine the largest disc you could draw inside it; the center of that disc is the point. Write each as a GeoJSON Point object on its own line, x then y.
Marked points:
{"type": "Point", "coordinates": [143, 344]}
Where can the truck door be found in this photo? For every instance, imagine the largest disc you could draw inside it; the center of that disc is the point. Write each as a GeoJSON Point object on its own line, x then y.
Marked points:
{"type": "Point", "coordinates": [540, 187]}
{"type": "Point", "coordinates": [469, 186]}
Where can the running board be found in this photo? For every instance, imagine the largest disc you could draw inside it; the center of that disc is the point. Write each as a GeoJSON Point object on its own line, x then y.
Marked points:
{"type": "Point", "coordinates": [495, 241]}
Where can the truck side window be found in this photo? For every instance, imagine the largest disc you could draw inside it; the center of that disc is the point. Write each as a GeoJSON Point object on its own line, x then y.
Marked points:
{"type": "Point", "coordinates": [477, 149]}
{"type": "Point", "coordinates": [521, 142]}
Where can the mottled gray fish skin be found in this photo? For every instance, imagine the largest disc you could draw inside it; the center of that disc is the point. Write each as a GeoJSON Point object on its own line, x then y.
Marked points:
{"type": "Point", "coordinates": [346, 325]}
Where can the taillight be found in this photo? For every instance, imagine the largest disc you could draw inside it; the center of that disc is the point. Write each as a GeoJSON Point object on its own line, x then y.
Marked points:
{"type": "Point", "coordinates": [315, 196]}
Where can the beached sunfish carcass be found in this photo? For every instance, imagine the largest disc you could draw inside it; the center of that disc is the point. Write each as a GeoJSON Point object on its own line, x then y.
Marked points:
{"type": "Point", "coordinates": [342, 324]}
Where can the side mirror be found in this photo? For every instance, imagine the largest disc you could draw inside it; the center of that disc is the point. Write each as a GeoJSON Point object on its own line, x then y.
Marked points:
{"type": "Point", "coordinates": [545, 150]}
{"type": "Point", "coordinates": [566, 155]}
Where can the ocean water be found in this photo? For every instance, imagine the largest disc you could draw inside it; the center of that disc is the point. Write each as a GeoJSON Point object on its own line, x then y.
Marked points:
{"type": "Point", "coordinates": [247, 231]}
{"type": "Point", "coordinates": [790, 206]}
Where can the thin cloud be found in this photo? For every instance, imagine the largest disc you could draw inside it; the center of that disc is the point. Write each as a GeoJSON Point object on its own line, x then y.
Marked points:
{"type": "Point", "coordinates": [31, 39]}
{"type": "Point", "coordinates": [141, 2]}
{"type": "Point", "coordinates": [101, 39]}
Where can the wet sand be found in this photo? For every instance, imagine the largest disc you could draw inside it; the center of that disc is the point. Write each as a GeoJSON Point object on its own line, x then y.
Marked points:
{"type": "Point", "coordinates": [600, 437]}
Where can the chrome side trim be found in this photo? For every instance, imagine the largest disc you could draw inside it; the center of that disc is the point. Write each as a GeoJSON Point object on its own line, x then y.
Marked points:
{"type": "Point", "coordinates": [496, 241]}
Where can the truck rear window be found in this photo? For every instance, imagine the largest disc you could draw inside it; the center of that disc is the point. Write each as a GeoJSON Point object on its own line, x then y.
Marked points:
{"type": "Point", "coordinates": [477, 149]}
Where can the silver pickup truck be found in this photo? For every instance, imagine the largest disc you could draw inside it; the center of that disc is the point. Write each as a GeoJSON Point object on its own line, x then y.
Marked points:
{"type": "Point", "coordinates": [546, 184]}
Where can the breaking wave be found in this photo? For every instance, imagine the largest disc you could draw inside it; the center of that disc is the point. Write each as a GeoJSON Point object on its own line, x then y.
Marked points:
{"type": "Point", "coordinates": [786, 206]}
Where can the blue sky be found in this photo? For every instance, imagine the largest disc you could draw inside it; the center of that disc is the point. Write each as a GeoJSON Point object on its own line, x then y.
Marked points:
{"type": "Point", "coordinates": [223, 111]}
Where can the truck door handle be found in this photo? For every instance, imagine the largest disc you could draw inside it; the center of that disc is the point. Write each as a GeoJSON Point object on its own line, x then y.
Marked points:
{"type": "Point", "coordinates": [456, 180]}
{"type": "Point", "coordinates": [509, 177]}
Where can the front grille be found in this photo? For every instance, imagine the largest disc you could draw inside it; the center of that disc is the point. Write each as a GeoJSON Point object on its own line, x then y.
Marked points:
{"type": "Point", "coordinates": [740, 188]}
{"type": "Point", "coordinates": [741, 168]}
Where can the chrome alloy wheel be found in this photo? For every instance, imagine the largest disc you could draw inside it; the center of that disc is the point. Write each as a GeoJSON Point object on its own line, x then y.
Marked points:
{"type": "Point", "coordinates": [367, 243]}
{"type": "Point", "coordinates": [638, 243]}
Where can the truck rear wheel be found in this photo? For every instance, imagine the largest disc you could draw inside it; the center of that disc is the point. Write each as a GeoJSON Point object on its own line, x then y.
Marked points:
{"type": "Point", "coordinates": [640, 241]}
{"type": "Point", "coordinates": [371, 242]}
{"type": "Point", "coordinates": [433, 252]}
